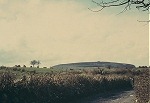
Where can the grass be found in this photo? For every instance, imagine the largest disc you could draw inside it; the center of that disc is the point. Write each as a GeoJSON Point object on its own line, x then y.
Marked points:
{"type": "Point", "coordinates": [56, 88]}
{"type": "Point", "coordinates": [142, 86]}
{"type": "Point", "coordinates": [44, 85]}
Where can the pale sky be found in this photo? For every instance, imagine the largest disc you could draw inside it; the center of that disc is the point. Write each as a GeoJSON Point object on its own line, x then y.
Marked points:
{"type": "Point", "coordinates": [65, 31]}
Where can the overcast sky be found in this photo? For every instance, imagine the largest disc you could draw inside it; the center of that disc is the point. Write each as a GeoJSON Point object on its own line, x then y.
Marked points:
{"type": "Point", "coordinates": [64, 31]}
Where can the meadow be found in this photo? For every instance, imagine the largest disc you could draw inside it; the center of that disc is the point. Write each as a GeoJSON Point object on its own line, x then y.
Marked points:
{"type": "Point", "coordinates": [45, 85]}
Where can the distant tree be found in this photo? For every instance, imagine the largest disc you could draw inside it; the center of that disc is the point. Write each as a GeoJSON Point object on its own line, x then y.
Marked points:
{"type": "Point", "coordinates": [24, 66]}
{"type": "Point", "coordinates": [17, 66]}
{"type": "Point", "coordinates": [38, 63]}
{"type": "Point", "coordinates": [33, 62]}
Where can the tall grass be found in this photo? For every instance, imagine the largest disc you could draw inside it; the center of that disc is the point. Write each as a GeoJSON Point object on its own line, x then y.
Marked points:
{"type": "Point", "coordinates": [142, 86]}
{"type": "Point", "coordinates": [57, 88]}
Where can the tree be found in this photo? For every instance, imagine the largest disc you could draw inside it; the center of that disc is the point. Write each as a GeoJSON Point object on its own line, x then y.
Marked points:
{"type": "Point", "coordinates": [38, 63]}
{"type": "Point", "coordinates": [139, 4]}
{"type": "Point", "coordinates": [33, 62]}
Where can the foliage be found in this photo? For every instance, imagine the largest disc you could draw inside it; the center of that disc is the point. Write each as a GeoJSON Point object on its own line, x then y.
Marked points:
{"type": "Point", "coordinates": [56, 88]}
{"type": "Point", "coordinates": [44, 85]}
{"type": "Point", "coordinates": [142, 86]}
{"type": "Point", "coordinates": [35, 62]}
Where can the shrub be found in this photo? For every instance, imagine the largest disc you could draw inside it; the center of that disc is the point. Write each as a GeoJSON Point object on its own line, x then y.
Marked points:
{"type": "Point", "coordinates": [142, 86]}
{"type": "Point", "coordinates": [57, 88]}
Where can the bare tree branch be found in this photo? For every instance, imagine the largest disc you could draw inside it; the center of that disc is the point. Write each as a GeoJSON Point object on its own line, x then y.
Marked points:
{"type": "Point", "coordinates": [139, 4]}
{"type": "Point", "coordinates": [144, 21]}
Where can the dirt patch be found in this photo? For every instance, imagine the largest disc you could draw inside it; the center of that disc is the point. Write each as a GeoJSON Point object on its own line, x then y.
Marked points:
{"type": "Point", "coordinates": [113, 97]}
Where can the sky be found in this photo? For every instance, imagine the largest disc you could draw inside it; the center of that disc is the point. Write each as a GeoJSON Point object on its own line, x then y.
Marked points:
{"type": "Point", "coordinates": [66, 31]}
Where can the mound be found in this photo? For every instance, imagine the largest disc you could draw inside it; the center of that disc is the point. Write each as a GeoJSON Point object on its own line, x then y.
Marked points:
{"type": "Point", "coordinates": [94, 65]}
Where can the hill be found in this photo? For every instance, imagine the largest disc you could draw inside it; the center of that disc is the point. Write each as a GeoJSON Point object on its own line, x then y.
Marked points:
{"type": "Point", "coordinates": [81, 65]}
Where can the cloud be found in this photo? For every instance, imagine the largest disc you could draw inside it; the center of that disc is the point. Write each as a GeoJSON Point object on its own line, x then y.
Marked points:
{"type": "Point", "coordinates": [6, 56]}
{"type": "Point", "coordinates": [61, 32]}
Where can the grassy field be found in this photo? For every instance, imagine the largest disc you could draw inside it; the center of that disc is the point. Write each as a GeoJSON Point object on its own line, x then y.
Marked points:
{"type": "Point", "coordinates": [45, 85]}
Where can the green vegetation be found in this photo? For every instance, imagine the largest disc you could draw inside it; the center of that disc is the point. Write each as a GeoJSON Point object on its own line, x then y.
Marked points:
{"type": "Point", "coordinates": [142, 86]}
{"type": "Point", "coordinates": [44, 85]}
{"type": "Point", "coordinates": [35, 62]}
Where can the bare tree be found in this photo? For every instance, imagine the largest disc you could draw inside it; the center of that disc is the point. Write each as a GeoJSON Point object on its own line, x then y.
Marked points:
{"type": "Point", "coordinates": [139, 4]}
{"type": "Point", "coordinates": [38, 63]}
{"type": "Point", "coordinates": [33, 62]}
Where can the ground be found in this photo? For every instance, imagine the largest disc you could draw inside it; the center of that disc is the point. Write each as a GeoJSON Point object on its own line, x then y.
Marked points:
{"type": "Point", "coordinates": [114, 97]}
